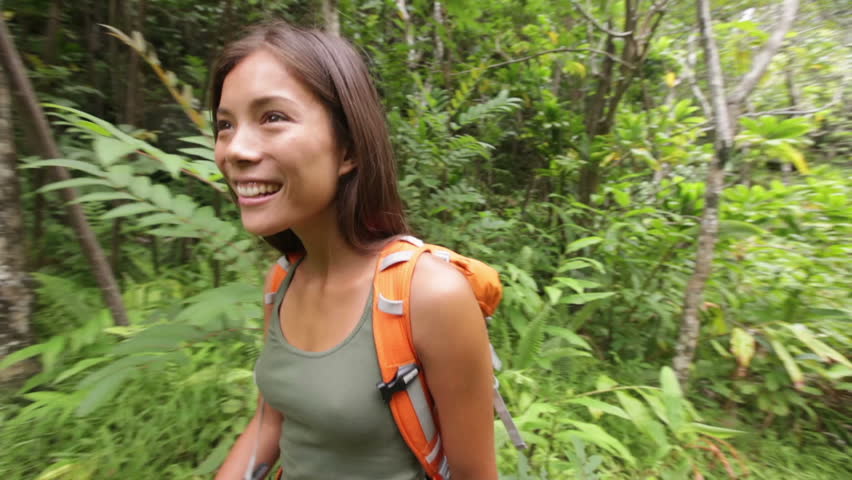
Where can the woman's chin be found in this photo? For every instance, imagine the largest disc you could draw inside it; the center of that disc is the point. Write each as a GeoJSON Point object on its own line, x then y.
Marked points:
{"type": "Point", "coordinates": [260, 228]}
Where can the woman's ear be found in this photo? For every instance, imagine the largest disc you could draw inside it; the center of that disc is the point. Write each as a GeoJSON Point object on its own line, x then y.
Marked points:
{"type": "Point", "coordinates": [346, 165]}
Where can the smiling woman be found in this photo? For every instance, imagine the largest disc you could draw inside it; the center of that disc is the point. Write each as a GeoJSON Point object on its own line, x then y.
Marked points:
{"type": "Point", "coordinates": [302, 141]}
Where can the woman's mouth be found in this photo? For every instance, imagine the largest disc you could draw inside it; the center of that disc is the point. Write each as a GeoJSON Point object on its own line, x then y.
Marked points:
{"type": "Point", "coordinates": [254, 193]}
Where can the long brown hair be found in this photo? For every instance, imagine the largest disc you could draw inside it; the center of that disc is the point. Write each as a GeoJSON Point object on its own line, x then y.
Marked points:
{"type": "Point", "coordinates": [369, 208]}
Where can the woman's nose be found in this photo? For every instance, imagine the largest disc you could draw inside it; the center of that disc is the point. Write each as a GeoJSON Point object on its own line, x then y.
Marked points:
{"type": "Point", "coordinates": [244, 147]}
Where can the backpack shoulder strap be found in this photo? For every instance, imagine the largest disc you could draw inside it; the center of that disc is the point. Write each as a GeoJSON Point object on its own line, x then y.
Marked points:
{"type": "Point", "coordinates": [277, 273]}
{"type": "Point", "coordinates": [403, 384]}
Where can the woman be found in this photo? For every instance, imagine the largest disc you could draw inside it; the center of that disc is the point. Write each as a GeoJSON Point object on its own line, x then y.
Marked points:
{"type": "Point", "coordinates": [302, 141]}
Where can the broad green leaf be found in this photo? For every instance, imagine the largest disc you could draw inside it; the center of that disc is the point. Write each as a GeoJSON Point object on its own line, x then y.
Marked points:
{"type": "Point", "coordinates": [581, 298]}
{"type": "Point", "coordinates": [793, 155]}
{"type": "Point", "coordinates": [824, 351]}
{"type": "Point", "coordinates": [128, 209]}
{"type": "Point", "coordinates": [120, 175]}
{"type": "Point", "coordinates": [789, 364]}
{"type": "Point", "coordinates": [215, 458]}
{"type": "Point", "coordinates": [582, 243]}
{"type": "Point", "coordinates": [183, 206]}
{"type": "Point", "coordinates": [200, 140]}
{"type": "Point", "coordinates": [205, 153]}
{"type": "Point", "coordinates": [672, 398]}
{"type": "Point", "coordinates": [21, 355]}
{"type": "Point", "coordinates": [78, 367]}
{"type": "Point", "coordinates": [102, 392]}
{"type": "Point", "coordinates": [711, 430]}
{"type": "Point", "coordinates": [742, 346]}
{"type": "Point", "coordinates": [642, 419]}
{"type": "Point", "coordinates": [66, 163]}
{"type": "Point", "coordinates": [598, 436]}
{"type": "Point", "coordinates": [553, 294]}
{"type": "Point", "coordinates": [158, 219]}
{"type": "Point", "coordinates": [598, 407]}
{"type": "Point", "coordinates": [158, 338]}
{"type": "Point", "coordinates": [109, 150]}
{"type": "Point", "coordinates": [104, 197]}
{"type": "Point", "coordinates": [161, 197]}
{"type": "Point", "coordinates": [140, 186]}
{"type": "Point", "coordinates": [74, 183]}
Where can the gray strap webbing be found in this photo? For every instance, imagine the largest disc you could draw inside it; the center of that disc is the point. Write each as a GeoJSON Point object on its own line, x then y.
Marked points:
{"type": "Point", "coordinates": [444, 469]}
{"type": "Point", "coordinates": [268, 298]}
{"type": "Point", "coordinates": [434, 453]}
{"type": "Point", "coordinates": [496, 363]}
{"type": "Point", "coordinates": [442, 254]}
{"type": "Point", "coordinates": [285, 264]}
{"type": "Point", "coordinates": [412, 240]}
{"type": "Point", "coordinates": [394, 258]}
{"type": "Point", "coordinates": [421, 409]}
{"type": "Point", "coordinates": [506, 417]}
{"type": "Point", "coordinates": [393, 307]}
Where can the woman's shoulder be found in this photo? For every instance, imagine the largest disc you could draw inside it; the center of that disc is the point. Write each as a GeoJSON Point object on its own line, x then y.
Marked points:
{"type": "Point", "coordinates": [442, 304]}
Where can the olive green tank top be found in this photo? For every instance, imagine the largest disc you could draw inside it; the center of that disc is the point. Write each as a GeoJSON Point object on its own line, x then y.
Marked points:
{"type": "Point", "coordinates": [336, 425]}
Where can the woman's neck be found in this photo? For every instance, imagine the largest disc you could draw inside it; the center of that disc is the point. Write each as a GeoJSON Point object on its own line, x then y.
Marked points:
{"type": "Point", "coordinates": [328, 256]}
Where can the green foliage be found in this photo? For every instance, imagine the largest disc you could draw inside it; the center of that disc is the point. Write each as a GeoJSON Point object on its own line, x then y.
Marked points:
{"type": "Point", "coordinates": [491, 138]}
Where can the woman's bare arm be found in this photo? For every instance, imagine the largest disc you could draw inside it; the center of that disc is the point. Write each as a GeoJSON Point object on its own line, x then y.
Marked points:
{"type": "Point", "coordinates": [238, 459]}
{"type": "Point", "coordinates": [451, 340]}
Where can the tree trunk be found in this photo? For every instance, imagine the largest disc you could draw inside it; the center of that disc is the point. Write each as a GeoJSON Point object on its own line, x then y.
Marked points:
{"type": "Point", "coordinates": [331, 17]}
{"type": "Point", "coordinates": [14, 68]}
{"type": "Point", "coordinates": [133, 103]}
{"type": "Point", "coordinates": [51, 35]}
{"type": "Point", "coordinates": [16, 297]}
{"type": "Point", "coordinates": [725, 115]}
{"type": "Point", "coordinates": [413, 55]}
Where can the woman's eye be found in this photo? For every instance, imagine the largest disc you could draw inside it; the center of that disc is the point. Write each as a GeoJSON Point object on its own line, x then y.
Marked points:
{"type": "Point", "coordinates": [275, 117]}
{"type": "Point", "coordinates": [223, 125]}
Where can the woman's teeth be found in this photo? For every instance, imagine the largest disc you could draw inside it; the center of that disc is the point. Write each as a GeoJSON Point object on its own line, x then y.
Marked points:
{"type": "Point", "coordinates": [255, 189]}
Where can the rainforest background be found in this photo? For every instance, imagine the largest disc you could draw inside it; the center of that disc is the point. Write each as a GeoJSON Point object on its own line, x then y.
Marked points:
{"type": "Point", "coordinates": [664, 186]}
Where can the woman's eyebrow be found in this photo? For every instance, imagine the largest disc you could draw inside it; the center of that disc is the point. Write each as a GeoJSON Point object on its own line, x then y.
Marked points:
{"type": "Point", "coordinates": [260, 102]}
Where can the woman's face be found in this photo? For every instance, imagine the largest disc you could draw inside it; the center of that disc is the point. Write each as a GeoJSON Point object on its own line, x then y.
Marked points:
{"type": "Point", "coordinates": [276, 146]}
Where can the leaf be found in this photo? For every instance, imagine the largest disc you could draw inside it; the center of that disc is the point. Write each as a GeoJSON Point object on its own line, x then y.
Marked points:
{"type": "Point", "coordinates": [205, 153]}
{"type": "Point", "coordinates": [73, 183]}
{"type": "Point", "coordinates": [742, 346]}
{"type": "Point", "coordinates": [66, 163]}
{"type": "Point", "coordinates": [642, 419]}
{"type": "Point", "coordinates": [158, 219]}
{"type": "Point", "coordinates": [597, 407]}
{"type": "Point", "coordinates": [672, 398]}
{"type": "Point", "coordinates": [711, 430]}
{"type": "Point", "coordinates": [215, 458]}
{"type": "Point", "coordinates": [789, 364]}
{"type": "Point", "coordinates": [128, 209]}
{"type": "Point", "coordinates": [825, 352]}
{"type": "Point", "coordinates": [670, 79]}
{"type": "Point", "coordinates": [140, 186]}
{"type": "Point", "coordinates": [794, 156]}
{"type": "Point", "coordinates": [21, 355]}
{"type": "Point", "coordinates": [553, 294]}
{"type": "Point", "coordinates": [582, 243]}
{"type": "Point", "coordinates": [103, 197]}
{"type": "Point", "coordinates": [158, 338]}
{"type": "Point", "coordinates": [78, 367]}
{"type": "Point", "coordinates": [598, 436]}
{"type": "Point", "coordinates": [102, 392]}
{"type": "Point", "coordinates": [109, 150]}
{"type": "Point", "coordinates": [161, 197]}
{"type": "Point", "coordinates": [583, 298]}
{"type": "Point", "coordinates": [120, 175]}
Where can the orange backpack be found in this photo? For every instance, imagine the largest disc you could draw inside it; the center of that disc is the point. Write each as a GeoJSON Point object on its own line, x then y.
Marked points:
{"type": "Point", "coordinates": [403, 385]}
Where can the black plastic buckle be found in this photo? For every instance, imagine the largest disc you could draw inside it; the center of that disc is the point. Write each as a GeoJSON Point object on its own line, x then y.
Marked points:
{"type": "Point", "coordinates": [404, 376]}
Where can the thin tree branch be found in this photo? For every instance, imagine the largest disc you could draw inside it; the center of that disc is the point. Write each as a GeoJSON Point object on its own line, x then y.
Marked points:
{"type": "Point", "coordinates": [598, 24]}
{"type": "Point", "coordinates": [763, 58]}
{"type": "Point", "coordinates": [548, 52]}
{"type": "Point", "coordinates": [788, 111]}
